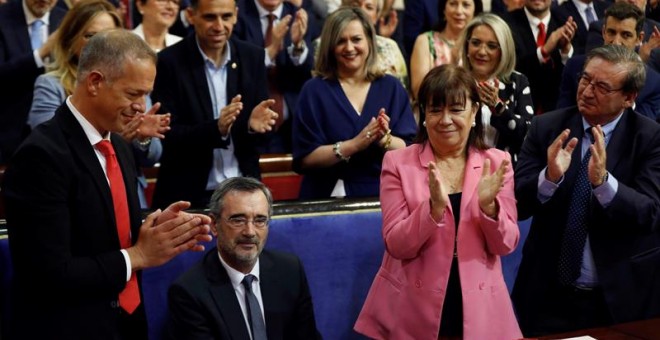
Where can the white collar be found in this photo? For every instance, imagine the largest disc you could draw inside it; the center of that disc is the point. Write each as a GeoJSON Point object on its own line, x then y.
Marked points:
{"type": "Point", "coordinates": [264, 12]}
{"type": "Point", "coordinates": [93, 135]}
{"type": "Point", "coordinates": [235, 276]}
{"type": "Point", "coordinates": [534, 21]}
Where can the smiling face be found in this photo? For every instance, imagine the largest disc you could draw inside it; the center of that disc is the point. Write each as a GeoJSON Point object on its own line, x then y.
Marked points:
{"type": "Point", "coordinates": [448, 126]}
{"type": "Point", "coordinates": [160, 13]}
{"type": "Point", "coordinates": [351, 50]}
{"type": "Point", "coordinates": [103, 21]}
{"type": "Point", "coordinates": [458, 13]}
{"type": "Point", "coordinates": [483, 52]}
{"type": "Point", "coordinates": [240, 246]}
{"type": "Point", "coordinates": [599, 95]}
{"type": "Point", "coordinates": [214, 21]}
{"type": "Point", "coordinates": [118, 100]}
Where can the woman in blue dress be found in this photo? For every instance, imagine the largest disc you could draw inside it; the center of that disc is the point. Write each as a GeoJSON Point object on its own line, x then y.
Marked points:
{"type": "Point", "coordinates": [349, 114]}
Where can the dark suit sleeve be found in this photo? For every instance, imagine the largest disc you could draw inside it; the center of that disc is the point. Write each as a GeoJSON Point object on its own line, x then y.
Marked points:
{"type": "Point", "coordinates": [568, 85]}
{"type": "Point", "coordinates": [531, 161]}
{"type": "Point", "coordinates": [594, 36]}
{"type": "Point", "coordinates": [42, 192]}
{"type": "Point", "coordinates": [187, 317]}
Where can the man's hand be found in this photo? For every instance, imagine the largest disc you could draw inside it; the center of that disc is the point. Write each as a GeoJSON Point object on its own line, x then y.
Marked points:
{"type": "Point", "coordinates": [299, 27]}
{"type": "Point", "coordinates": [164, 237]}
{"type": "Point", "coordinates": [650, 45]}
{"type": "Point", "coordinates": [278, 32]}
{"type": "Point", "coordinates": [262, 118]}
{"type": "Point", "coordinates": [387, 26]}
{"type": "Point", "coordinates": [596, 169]}
{"type": "Point", "coordinates": [228, 115]}
{"type": "Point", "coordinates": [152, 124]}
{"type": "Point", "coordinates": [559, 157]}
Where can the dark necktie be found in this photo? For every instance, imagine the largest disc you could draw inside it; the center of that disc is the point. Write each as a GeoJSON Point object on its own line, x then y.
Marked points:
{"type": "Point", "coordinates": [273, 90]}
{"type": "Point", "coordinates": [540, 39]}
{"type": "Point", "coordinates": [36, 36]}
{"type": "Point", "coordinates": [575, 234]}
{"type": "Point", "coordinates": [589, 13]}
{"type": "Point", "coordinates": [129, 298]}
{"type": "Point", "coordinates": [257, 325]}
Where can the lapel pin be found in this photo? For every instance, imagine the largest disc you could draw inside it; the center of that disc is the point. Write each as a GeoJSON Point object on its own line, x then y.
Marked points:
{"type": "Point", "coordinates": [233, 66]}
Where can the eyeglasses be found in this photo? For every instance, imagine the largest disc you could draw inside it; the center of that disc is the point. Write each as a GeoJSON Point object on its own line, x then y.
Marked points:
{"type": "Point", "coordinates": [259, 222]}
{"type": "Point", "coordinates": [163, 2]}
{"type": "Point", "coordinates": [490, 46]}
{"type": "Point", "coordinates": [599, 87]}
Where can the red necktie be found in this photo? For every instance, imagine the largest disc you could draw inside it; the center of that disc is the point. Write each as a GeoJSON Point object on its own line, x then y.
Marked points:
{"type": "Point", "coordinates": [273, 90]}
{"type": "Point", "coordinates": [540, 39]}
{"type": "Point", "coordinates": [129, 298]}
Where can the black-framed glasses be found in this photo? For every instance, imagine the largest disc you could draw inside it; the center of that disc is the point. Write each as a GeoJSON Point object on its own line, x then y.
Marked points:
{"type": "Point", "coordinates": [239, 222]}
{"type": "Point", "coordinates": [490, 46]}
{"type": "Point", "coordinates": [600, 88]}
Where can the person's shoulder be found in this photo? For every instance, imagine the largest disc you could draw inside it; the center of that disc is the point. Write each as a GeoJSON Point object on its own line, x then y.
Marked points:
{"type": "Point", "coordinates": [642, 125]}
{"type": "Point", "coordinates": [245, 47]}
{"type": "Point", "coordinates": [495, 154]}
{"type": "Point", "coordinates": [176, 51]}
{"type": "Point", "coordinates": [407, 154]}
{"type": "Point", "coordinates": [280, 260]}
{"type": "Point", "coordinates": [193, 278]}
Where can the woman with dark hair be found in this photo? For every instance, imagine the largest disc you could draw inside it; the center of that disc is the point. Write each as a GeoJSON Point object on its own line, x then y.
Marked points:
{"type": "Point", "coordinates": [437, 47]}
{"type": "Point", "coordinates": [349, 114]}
{"type": "Point", "coordinates": [157, 18]}
{"type": "Point", "coordinates": [449, 213]}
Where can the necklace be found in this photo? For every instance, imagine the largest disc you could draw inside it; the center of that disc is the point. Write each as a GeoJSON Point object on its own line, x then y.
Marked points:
{"type": "Point", "coordinates": [449, 43]}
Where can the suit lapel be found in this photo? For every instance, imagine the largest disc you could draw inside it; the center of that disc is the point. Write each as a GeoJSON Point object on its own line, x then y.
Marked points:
{"type": "Point", "coordinates": [269, 294]}
{"type": "Point", "coordinates": [21, 36]}
{"type": "Point", "coordinates": [224, 296]}
{"type": "Point", "coordinates": [198, 74]}
{"type": "Point", "coordinates": [575, 124]}
{"type": "Point", "coordinates": [473, 170]}
{"type": "Point", "coordinates": [619, 142]}
{"type": "Point", "coordinates": [252, 27]}
{"type": "Point", "coordinates": [233, 72]}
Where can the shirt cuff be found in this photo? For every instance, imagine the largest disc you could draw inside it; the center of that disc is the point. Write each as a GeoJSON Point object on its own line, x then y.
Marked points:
{"type": "Point", "coordinates": [267, 61]}
{"type": "Point", "coordinates": [297, 59]}
{"type": "Point", "coordinates": [37, 58]}
{"type": "Point", "coordinates": [605, 192]}
{"type": "Point", "coordinates": [546, 188]}
{"type": "Point", "coordinates": [128, 264]}
{"type": "Point", "coordinates": [565, 57]}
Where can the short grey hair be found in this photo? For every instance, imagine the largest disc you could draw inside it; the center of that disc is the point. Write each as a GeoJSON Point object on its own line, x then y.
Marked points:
{"type": "Point", "coordinates": [621, 55]}
{"type": "Point", "coordinates": [240, 184]}
{"type": "Point", "coordinates": [504, 38]}
{"type": "Point", "coordinates": [108, 51]}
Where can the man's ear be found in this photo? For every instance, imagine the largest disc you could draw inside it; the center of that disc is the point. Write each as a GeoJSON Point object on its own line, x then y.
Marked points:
{"type": "Point", "coordinates": [214, 225]}
{"type": "Point", "coordinates": [94, 82]}
{"type": "Point", "coordinates": [630, 100]}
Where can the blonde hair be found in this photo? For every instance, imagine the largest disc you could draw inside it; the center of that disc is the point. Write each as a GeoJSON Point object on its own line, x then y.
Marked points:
{"type": "Point", "coordinates": [65, 64]}
{"type": "Point", "coordinates": [326, 63]}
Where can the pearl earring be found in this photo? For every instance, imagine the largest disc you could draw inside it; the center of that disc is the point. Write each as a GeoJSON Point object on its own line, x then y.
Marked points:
{"type": "Point", "coordinates": [424, 123]}
{"type": "Point", "coordinates": [474, 124]}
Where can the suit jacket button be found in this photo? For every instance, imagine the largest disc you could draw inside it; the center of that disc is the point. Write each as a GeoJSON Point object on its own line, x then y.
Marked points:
{"type": "Point", "coordinates": [418, 283]}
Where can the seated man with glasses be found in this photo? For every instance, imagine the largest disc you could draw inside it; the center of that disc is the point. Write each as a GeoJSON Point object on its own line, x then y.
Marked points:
{"type": "Point", "coordinates": [239, 290]}
{"type": "Point", "coordinates": [623, 25]}
{"type": "Point", "coordinates": [588, 175]}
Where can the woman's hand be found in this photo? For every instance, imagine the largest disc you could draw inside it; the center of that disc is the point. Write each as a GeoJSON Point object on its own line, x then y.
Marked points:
{"type": "Point", "coordinates": [489, 186]}
{"type": "Point", "coordinates": [383, 127]}
{"type": "Point", "coordinates": [488, 94]}
{"type": "Point", "coordinates": [438, 194]}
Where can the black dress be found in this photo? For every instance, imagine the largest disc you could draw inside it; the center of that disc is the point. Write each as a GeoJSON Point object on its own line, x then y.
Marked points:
{"type": "Point", "coordinates": [451, 322]}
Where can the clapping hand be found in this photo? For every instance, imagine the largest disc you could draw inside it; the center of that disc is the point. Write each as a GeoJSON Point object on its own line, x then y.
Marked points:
{"type": "Point", "coordinates": [299, 27]}
{"type": "Point", "coordinates": [387, 25]}
{"type": "Point", "coordinates": [489, 186]}
{"type": "Point", "coordinates": [489, 94]}
{"type": "Point", "coordinates": [438, 194]}
{"type": "Point", "coordinates": [559, 157]}
{"type": "Point", "coordinates": [152, 124]}
{"type": "Point", "coordinates": [262, 118]}
{"type": "Point", "coordinates": [596, 168]}
{"type": "Point", "coordinates": [228, 115]}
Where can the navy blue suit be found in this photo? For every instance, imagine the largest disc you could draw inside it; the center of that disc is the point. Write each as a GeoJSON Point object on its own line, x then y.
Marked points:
{"type": "Point", "coordinates": [418, 16]}
{"type": "Point", "coordinates": [290, 78]}
{"type": "Point", "coordinates": [18, 72]}
{"type": "Point", "coordinates": [182, 88]}
{"type": "Point", "coordinates": [624, 236]}
{"type": "Point", "coordinates": [648, 100]}
{"type": "Point", "coordinates": [567, 9]}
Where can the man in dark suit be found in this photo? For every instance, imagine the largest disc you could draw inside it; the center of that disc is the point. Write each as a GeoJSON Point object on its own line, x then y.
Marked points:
{"type": "Point", "coordinates": [215, 90]}
{"type": "Point", "coordinates": [584, 12]}
{"type": "Point", "coordinates": [623, 26]}
{"type": "Point", "coordinates": [540, 56]}
{"type": "Point", "coordinates": [239, 285]}
{"type": "Point", "coordinates": [289, 60]}
{"type": "Point", "coordinates": [593, 252]}
{"type": "Point", "coordinates": [24, 28]}
{"type": "Point", "coordinates": [75, 232]}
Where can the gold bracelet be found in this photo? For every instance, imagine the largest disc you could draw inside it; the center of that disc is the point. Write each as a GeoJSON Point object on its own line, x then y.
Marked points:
{"type": "Point", "coordinates": [388, 141]}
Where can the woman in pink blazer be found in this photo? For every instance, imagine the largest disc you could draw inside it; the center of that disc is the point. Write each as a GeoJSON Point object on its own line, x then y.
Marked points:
{"type": "Point", "coordinates": [449, 213]}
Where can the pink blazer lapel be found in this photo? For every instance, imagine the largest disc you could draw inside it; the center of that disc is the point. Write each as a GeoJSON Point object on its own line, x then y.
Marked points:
{"type": "Point", "coordinates": [473, 170]}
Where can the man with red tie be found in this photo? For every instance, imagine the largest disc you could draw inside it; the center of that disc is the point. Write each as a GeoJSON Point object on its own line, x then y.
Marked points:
{"type": "Point", "coordinates": [75, 233]}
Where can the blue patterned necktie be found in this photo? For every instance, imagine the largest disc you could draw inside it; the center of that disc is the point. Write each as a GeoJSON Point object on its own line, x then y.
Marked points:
{"type": "Point", "coordinates": [256, 320]}
{"type": "Point", "coordinates": [36, 38]}
{"type": "Point", "coordinates": [590, 15]}
{"type": "Point", "coordinates": [575, 234]}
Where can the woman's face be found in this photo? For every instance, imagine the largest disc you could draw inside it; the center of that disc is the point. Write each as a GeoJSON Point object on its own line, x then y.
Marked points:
{"type": "Point", "coordinates": [101, 22]}
{"type": "Point", "coordinates": [352, 49]}
{"type": "Point", "coordinates": [448, 127]}
{"type": "Point", "coordinates": [484, 52]}
{"type": "Point", "coordinates": [369, 7]}
{"type": "Point", "coordinates": [458, 13]}
{"type": "Point", "coordinates": [159, 12]}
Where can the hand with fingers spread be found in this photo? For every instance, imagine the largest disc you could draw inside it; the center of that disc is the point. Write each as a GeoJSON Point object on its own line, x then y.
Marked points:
{"type": "Point", "coordinates": [228, 115]}
{"type": "Point", "coordinates": [490, 184]}
{"type": "Point", "coordinates": [164, 237]}
{"type": "Point", "coordinates": [299, 27]}
{"type": "Point", "coordinates": [559, 157]}
{"type": "Point", "coordinates": [596, 168]}
{"type": "Point", "coordinates": [438, 194]}
{"type": "Point", "coordinates": [130, 130]}
{"type": "Point", "coordinates": [152, 124]}
{"type": "Point", "coordinates": [652, 43]}
{"type": "Point", "coordinates": [263, 118]}
{"type": "Point", "coordinates": [489, 94]}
